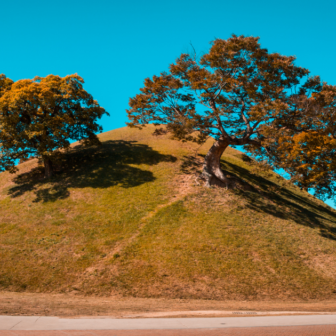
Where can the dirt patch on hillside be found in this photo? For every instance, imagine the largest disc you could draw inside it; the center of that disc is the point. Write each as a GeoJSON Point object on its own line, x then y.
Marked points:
{"type": "Point", "coordinates": [76, 305]}
{"type": "Point", "coordinates": [324, 264]}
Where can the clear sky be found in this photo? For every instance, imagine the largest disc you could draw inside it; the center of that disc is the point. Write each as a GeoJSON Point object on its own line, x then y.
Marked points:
{"type": "Point", "coordinates": [114, 45]}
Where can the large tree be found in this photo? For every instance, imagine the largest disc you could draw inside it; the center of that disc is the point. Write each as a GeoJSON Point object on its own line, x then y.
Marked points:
{"type": "Point", "coordinates": [240, 94]}
{"type": "Point", "coordinates": [39, 117]}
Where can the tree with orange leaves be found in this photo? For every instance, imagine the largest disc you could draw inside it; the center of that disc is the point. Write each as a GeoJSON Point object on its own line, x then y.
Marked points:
{"type": "Point", "coordinates": [304, 143]}
{"type": "Point", "coordinates": [239, 94]}
{"type": "Point", "coordinates": [40, 116]}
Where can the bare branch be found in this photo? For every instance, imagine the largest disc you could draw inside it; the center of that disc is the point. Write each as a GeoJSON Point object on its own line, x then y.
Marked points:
{"type": "Point", "coordinates": [194, 51]}
{"type": "Point", "coordinates": [246, 121]}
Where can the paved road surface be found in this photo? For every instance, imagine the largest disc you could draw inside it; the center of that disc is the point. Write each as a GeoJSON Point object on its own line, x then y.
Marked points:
{"type": "Point", "coordinates": [322, 325]}
{"type": "Point", "coordinates": [328, 330]}
{"type": "Point", "coordinates": [55, 323]}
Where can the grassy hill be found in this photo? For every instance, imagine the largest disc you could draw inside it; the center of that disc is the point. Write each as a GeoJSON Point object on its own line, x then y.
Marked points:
{"type": "Point", "coordinates": [129, 218]}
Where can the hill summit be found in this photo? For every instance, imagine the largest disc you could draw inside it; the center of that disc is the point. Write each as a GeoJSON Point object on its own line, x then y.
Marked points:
{"type": "Point", "coordinates": [130, 218]}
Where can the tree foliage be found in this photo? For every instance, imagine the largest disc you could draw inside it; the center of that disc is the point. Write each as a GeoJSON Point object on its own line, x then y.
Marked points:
{"type": "Point", "coordinates": [39, 117]}
{"type": "Point", "coordinates": [305, 141]}
{"type": "Point", "coordinates": [240, 94]}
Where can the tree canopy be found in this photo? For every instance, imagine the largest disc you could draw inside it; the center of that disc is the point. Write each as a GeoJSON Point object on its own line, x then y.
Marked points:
{"type": "Point", "coordinates": [39, 117]}
{"type": "Point", "coordinates": [240, 94]}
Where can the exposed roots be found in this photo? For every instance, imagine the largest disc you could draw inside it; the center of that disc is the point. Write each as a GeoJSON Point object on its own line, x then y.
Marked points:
{"type": "Point", "coordinates": [212, 180]}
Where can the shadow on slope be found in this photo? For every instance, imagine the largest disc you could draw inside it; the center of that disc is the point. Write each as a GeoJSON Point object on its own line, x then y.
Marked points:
{"type": "Point", "coordinates": [97, 167]}
{"type": "Point", "coordinates": [263, 195]}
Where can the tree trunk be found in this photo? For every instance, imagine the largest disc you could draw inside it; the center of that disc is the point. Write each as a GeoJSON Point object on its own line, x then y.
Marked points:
{"type": "Point", "coordinates": [48, 168]}
{"type": "Point", "coordinates": [211, 167]}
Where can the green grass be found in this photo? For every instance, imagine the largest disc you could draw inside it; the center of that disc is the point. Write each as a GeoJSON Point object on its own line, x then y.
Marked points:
{"type": "Point", "coordinates": [128, 218]}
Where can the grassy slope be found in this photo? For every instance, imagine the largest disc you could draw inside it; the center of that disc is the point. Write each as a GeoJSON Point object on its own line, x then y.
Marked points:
{"type": "Point", "coordinates": [126, 218]}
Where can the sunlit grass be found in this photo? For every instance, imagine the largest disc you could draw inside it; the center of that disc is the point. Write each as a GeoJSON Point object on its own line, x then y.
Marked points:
{"type": "Point", "coordinates": [113, 220]}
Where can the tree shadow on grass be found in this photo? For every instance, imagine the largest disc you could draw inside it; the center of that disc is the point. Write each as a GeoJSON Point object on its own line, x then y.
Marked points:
{"type": "Point", "coordinates": [101, 167]}
{"type": "Point", "coordinates": [265, 196]}
{"type": "Point", "coordinates": [268, 197]}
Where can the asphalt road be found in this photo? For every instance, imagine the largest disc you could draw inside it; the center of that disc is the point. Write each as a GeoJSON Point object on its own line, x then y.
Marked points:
{"type": "Point", "coordinates": [56, 323]}
{"type": "Point", "coordinates": [328, 330]}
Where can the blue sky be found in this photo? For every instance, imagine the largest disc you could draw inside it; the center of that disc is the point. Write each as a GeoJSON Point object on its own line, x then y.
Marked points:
{"type": "Point", "coordinates": [114, 45]}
